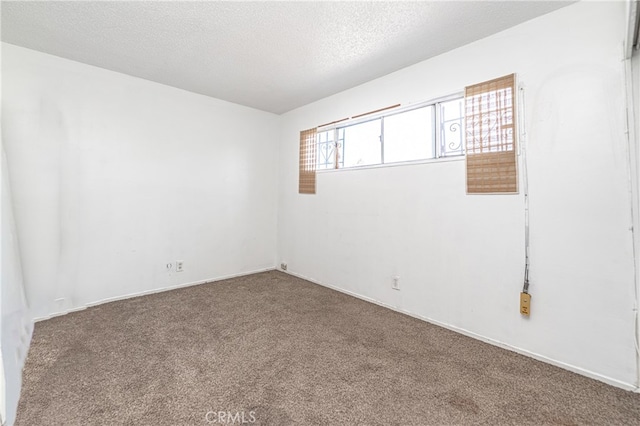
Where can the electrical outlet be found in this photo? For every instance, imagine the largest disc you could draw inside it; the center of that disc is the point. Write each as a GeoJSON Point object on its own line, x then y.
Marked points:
{"type": "Point", "coordinates": [283, 266]}
{"type": "Point", "coordinates": [179, 265]}
{"type": "Point", "coordinates": [169, 266]}
{"type": "Point", "coordinates": [525, 304]}
{"type": "Point", "coordinates": [396, 283]}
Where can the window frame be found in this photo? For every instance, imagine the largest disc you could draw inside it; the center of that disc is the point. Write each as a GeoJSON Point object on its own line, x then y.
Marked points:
{"type": "Point", "coordinates": [436, 134]}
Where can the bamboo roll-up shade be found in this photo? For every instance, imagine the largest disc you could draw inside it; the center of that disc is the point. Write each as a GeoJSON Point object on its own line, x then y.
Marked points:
{"type": "Point", "coordinates": [307, 178]}
{"type": "Point", "coordinates": [490, 125]}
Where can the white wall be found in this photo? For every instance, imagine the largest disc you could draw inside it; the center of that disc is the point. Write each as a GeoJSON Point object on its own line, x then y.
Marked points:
{"type": "Point", "coordinates": [16, 324]}
{"type": "Point", "coordinates": [635, 148]}
{"type": "Point", "coordinates": [460, 258]}
{"type": "Point", "coordinates": [114, 176]}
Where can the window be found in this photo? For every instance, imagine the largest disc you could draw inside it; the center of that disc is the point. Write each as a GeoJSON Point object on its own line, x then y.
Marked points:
{"type": "Point", "coordinates": [327, 151]}
{"type": "Point", "coordinates": [491, 137]}
{"type": "Point", "coordinates": [363, 144]}
{"type": "Point", "coordinates": [431, 130]}
{"type": "Point", "coordinates": [409, 136]}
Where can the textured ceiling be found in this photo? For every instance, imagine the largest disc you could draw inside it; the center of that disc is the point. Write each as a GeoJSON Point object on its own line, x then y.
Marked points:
{"type": "Point", "coordinates": [274, 56]}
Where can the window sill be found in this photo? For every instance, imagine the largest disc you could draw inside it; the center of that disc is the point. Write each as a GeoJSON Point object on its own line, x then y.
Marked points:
{"type": "Point", "coordinates": [398, 164]}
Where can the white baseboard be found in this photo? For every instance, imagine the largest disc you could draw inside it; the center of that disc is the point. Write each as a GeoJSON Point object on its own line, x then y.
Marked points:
{"type": "Point", "coordinates": [152, 291]}
{"type": "Point", "coordinates": [563, 365]}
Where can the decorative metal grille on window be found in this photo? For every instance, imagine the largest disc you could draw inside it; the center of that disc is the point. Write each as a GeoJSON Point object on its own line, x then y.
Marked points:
{"type": "Point", "coordinates": [330, 151]}
{"type": "Point", "coordinates": [490, 124]}
{"type": "Point", "coordinates": [451, 116]}
{"type": "Point", "coordinates": [307, 178]}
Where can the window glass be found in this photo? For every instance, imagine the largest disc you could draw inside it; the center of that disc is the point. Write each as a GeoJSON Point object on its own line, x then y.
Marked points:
{"type": "Point", "coordinates": [361, 146]}
{"type": "Point", "coordinates": [409, 135]}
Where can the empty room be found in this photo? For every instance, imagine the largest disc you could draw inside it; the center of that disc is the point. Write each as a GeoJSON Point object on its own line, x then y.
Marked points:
{"type": "Point", "coordinates": [320, 213]}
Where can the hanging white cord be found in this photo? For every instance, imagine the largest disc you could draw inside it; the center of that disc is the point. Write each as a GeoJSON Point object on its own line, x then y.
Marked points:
{"type": "Point", "coordinates": [525, 185]}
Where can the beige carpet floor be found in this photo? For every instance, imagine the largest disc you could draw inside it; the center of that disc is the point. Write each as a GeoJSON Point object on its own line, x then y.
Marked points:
{"type": "Point", "coordinates": [283, 351]}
